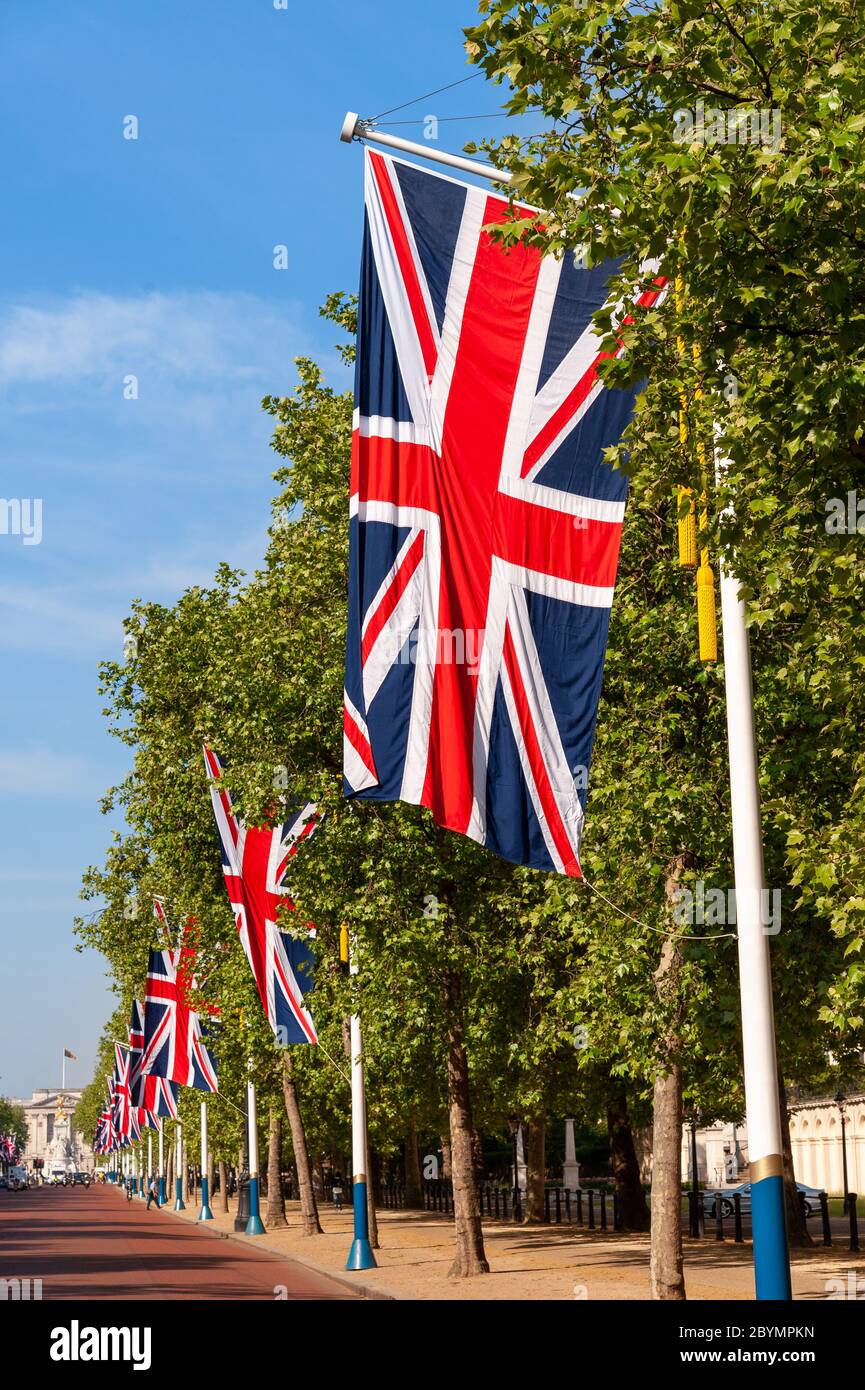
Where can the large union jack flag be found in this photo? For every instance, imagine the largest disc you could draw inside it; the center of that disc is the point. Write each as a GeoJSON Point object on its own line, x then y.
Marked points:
{"type": "Point", "coordinates": [174, 1044]}
{"type": "Point", "coordinates": [485, 525]}
{"type": "Point", "coordinates": [254, 861]}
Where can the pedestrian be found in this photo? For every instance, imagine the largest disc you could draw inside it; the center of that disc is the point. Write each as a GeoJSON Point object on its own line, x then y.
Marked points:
{"type": "Point", "coordinates": [129, 1189]}
{"type": "Point", "coordinates": [151, 1192]}
{"type": "Point", "coordinates": [337, 1191]}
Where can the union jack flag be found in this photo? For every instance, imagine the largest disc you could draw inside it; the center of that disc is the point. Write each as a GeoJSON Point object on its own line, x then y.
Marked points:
{"type": "Point", "coordinates": [174, 1044]}
{"type": "Point", "coordinates": [485, 525]}
{"type": "Point", "coordinates": [151, 1096]}
{"type": "Point", "coordinates": [122, 1101]}
{"type": "Point", "coordinates": [254, 861]}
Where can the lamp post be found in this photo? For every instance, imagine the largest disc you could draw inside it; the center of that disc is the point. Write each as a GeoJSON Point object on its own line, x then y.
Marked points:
{"type": "Point", "coordinates": [695, 1180]}
{"type": "Point", "coordinates": [841, 1102]}
{"type": "Point", "coordinates": [514, 1127]}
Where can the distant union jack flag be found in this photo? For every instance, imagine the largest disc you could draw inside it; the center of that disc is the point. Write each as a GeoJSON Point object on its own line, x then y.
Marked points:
{"type": "Point", "coordinates": [485, 525]}
{"type": "Point", "coordinates": [254, 861]}
{"type": "Point", "coordinates": [174, 1044]}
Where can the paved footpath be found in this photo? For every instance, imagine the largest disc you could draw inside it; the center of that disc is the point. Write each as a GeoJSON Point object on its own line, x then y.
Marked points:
{"type": "Point", "coordinates": [91, 1243]}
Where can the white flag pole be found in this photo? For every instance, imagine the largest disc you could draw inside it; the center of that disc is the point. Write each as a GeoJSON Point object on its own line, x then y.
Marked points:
{"type": "Point", "coordinates": [161, 1199]}
{"type": "Point", "coordinates": [762, 1102]}
{"type": "Point", "coordinates": [360, 1255]}
{"type": "Point", "coordinates": [179, 1204]}
{"type": "Point", "coordinates": [205, 1214]}
{"type": "Point", "coordinates": [254, 1225]}
{"type": "Point", "coordinates": [771, 1258]}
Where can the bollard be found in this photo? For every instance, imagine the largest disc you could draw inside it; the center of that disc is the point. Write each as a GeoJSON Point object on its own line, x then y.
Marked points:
{"type": "Point", "coordinates": [694, 1213]}
{"type": "Point", "coordinates": [591, 1209]}
{"type": "Point", "coordinates": [737, 1217]}
{"type": "Point", "coordinates": [568, 1204]}
{"type": "Point", "coordinates": [603, 1210]}
{"type": "Point", "coordinates": [824, 1214]}
{"type": "Point", "coordinates": [854, 1220]}
{"type": "Point", "coordinates": [719, 1213]}
{"type": "Point", "coordinates": [580, 1208]}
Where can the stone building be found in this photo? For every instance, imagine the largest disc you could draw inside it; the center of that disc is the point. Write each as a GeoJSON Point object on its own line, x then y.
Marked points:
{"type": "Point", "coordinates": [50, 1133]}
{"type": "Point", "coordinates": [815, 1140]}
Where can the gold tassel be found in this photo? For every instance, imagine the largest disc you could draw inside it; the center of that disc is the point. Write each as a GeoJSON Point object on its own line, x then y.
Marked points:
{"type": "Point", "coordinates": [707, 624]}
{"type": "Point", "coordinates": [687, 528]}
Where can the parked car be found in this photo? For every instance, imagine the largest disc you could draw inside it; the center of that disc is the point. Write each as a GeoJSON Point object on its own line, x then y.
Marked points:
{"type": "Point", "coordinates": [710, 1200]}
{"type": "Point", "coordinates": [80, 1179]}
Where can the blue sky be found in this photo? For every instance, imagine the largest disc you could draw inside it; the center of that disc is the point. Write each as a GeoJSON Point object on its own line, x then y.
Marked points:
{"type": "Point", "coordinates": [154, 258]}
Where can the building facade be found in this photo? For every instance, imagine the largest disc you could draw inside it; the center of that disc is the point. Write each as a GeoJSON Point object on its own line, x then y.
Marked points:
{"type": "Point", "coordinates": [815, 1141]}
{"type": "Point", "coordinates": [50, 1132]}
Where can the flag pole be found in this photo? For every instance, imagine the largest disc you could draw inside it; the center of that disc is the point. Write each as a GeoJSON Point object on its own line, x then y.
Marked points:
{"type": "Point", "coordinates": [161, 1198]}
{"type": "Point", "coordinates": [762, 1101]}
{"type": "Point", "coordinates": [149, 1161]}
{"type": "Point", "coordinates": [205, 1214]}
{"type": "Point", "coordinates": [254, 1225]}
{"type": "Point", "coordinates": [179, 1204]}
{"type": "Point", "coordinates": [360, 1255]}
{"type": "Point", "coordinates": [771, 1257]}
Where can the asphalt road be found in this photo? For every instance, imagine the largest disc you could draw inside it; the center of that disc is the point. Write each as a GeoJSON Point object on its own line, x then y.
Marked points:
{"type": "Point", "coordinates": [93, 1244]}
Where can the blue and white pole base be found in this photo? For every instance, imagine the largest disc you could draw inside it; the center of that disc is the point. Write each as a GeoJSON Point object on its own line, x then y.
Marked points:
{"type": "Point", "coordinates": [360, 1255]}
{"type": "Point", "coordinates": [205, 1214]}
{"type": "Point", "coordinates": [255, 1225]}
{"type": "Point", "coordinates": [769, 1226]}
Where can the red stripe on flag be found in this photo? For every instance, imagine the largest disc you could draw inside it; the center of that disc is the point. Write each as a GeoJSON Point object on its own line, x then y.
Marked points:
{"type": "Point", "coordinates": [406, 262]}
{"type": "Point", "coordinates": [392, 596]}
{"type": "Point", "coordinates": [549, 805]}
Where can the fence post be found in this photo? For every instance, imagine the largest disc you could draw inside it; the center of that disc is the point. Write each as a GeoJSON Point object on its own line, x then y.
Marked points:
{"type": "Point", "coordinates": [854, 1220]}
{"type": "Point", "coordinates": [568, 1205]}
{"type": "Point", "coordinates": [719, 1213]}
{"type": "Point", "coordinates": [558, 1206]}
{"type": "Point", "coordinates": [603, 1210]}
{"type": "Point", "coordinates": [737, 1217]}
{"type": "Point", "coordinates": [591, 1209]}
{"type": "Point", "coordinates": [580, 1207]}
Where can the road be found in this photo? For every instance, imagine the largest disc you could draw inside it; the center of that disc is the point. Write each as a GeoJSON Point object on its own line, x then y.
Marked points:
{"type": "Point", "coordinates": [93, 1244]}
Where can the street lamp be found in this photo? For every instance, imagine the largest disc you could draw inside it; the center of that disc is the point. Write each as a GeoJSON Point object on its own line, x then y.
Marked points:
{"type": "Point", "coordinates": [514, 1127]}
{"type": "Point", "coordinates": [695, 1177]}
{"type": "Point", "coordinates": [841, 1102]}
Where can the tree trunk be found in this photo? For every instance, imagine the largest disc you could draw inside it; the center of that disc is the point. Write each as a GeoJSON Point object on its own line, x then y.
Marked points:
{"type": "Point", "coordinates": [413, 1187]}
{"type": "Point", "coordinates": [667, 1269]}
{"type": "Point", "coordinates": [469, 1257]}
{"type": "Point", "coordinates": [308, 1207]}
{"type": "Point", "coordinates": [447, 1170]}
{"type": "Point", "coordinates": [633, 1207]}
{"type": "Point", "coordinates": [223, 1185]}
{"type": "Point", "coordinates": [275, 1198]}
{"type": "Point", "coordinates": [798, 1234]}
{"type": "Point", "coordinates": [535, 1132]}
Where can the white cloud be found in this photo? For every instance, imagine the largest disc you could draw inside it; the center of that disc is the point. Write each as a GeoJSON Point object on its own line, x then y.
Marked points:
{"type": "Point", "coordinates": [42, 771]}
{"type": "Point", "coordinates": [181, 336]}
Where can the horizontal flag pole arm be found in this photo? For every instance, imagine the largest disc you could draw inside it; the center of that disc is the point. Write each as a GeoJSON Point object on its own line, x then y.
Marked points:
{"type": "Point", "coordinates": [355, 128]}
